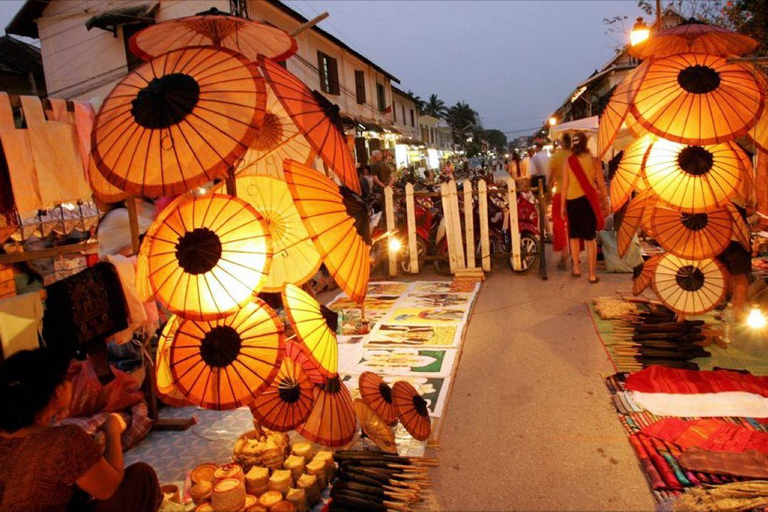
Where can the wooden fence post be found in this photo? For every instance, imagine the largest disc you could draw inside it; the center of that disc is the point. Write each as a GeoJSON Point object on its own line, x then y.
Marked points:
{"type": "Point", "coordinates": [514, 228]}
{"type": "Point", "coordinates": [456, 219]}
{"type": "Point", "coordinates": [469, 227]}
{"type": "Point", "coordinates": [390, 214]}
{"type": "Point", "coordinates": [447, 213]}
{"type": "Point", "coordinates": [485, 242]}
{"type": "Point", "coordinates": [410, 213]}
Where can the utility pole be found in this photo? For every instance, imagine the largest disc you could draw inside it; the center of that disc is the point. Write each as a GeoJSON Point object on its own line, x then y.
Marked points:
{"type": "Point", "coordinates": [239, 8]}
{"type": "Point", "coordinates": [658, 16]}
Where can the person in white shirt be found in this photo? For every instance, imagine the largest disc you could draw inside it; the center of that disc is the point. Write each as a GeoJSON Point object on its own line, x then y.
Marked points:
{"type": "Point", "coordinates": [538, 170]}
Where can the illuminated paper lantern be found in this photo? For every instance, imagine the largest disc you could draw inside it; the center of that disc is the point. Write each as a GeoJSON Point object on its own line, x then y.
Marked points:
{"type": "Point", "coordinates": [693, 38]}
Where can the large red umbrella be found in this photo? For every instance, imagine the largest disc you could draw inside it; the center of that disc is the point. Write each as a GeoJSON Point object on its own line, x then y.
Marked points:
{"type": "Point", "coordinates": [218, 29]}
{"type": "Point", "coordinates": [285, 404]}
{"type": "Point", "coordinates": [693, 37]}
{"type": "Point", "coordinates": [318, 120]}
{"type": "Point", "coordinates": [332, 421]}
{"type": "Point", "coordinates": [617, 108]}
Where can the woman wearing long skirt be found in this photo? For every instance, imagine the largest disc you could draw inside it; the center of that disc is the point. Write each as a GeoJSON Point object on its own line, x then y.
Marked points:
{"type": "Point", "coordinates": [583, 185]}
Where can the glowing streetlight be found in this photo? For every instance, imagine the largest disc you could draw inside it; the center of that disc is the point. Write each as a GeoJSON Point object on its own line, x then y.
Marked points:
{"type": "Point", "coordinates": [552, 121]}
{"type": "Point", "coordinates": [640, 32]}
{"type": "Point", "coordinates": [756, 319]}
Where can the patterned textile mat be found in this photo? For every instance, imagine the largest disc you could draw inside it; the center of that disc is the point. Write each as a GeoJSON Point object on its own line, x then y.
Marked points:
{"type": "Point", "coordinates": [746, 353]}
{"type": "Point", "coordinates": [664, 456]}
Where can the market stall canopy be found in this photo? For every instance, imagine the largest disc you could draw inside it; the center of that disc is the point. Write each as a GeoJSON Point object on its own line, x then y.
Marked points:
{"type": "Point", "coordinates": [315, 326]}
{"type": "Point", "coordinates": [294, 257]}
{"type": "Point", "coordinates": [337, 219]}
{"type": "Point", "coordinates": [375, 428]}
{"type": "Point", "coordinates": [378, 395]}
{"type": "Point", "coordinates": [227, 363]}
{"type": "Point", "coordinates": [208, 256]}
{"type": "Point", "coordinates": [332, 421]}
{"type": "Point", "coordinates": [587, 125]}
{"type": "Point", "coordinates": [689, 287]}
{"type": "Point", "coordinates": [694, 178]}
{"type": "Point", "coordinates": [218, 29]}
{"type": "Point", "coordinates": [613, 119]}
{"type": "Point", "coordinates": [318, 119]}
{"type": "Point", "coordinates": [287, 402]}
{"type": "Point", "coordinates": [178, 121]}
{"type": "Point", "coordinates": [411, 410]}
{"type": "Point", "coordinates": [694, 98]}
{"type": "Point", "coordinates": [693, 37]}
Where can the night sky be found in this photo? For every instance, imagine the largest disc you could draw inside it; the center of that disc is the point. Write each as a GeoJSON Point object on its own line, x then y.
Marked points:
{"type": "Point", "coordinates": [513, 61]}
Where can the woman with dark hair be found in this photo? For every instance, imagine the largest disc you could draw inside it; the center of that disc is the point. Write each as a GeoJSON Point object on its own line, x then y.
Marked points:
{"type": "Point", "coordinates": [50, 468]}
{"type": "Point", "coordinates": [583, 186]}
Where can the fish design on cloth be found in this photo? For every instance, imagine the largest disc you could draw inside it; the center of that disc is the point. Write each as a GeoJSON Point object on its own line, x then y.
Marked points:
{"type": "Point", "coordinates": [708, 434]}
{"type": "Point", "coordinates": [659, 379]}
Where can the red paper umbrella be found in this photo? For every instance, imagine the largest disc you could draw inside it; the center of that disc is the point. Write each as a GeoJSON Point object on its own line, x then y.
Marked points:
{"type": "Point", "coordinates": [629, 172]}
{"type": "Point", "coordinates": [315, 326]}
{"type": "Point", "coordinates": [208, 256]}
{"type": "Point", "coordinates": [297, 351]}
{"type": "Point", "coordinates": [628, 220]}
{"type": "Point", "coordinates": [227, 363]}
{"type": "Point", "coordinates": [617, 108]}
{"type": "Point", "coordinates": [642, 275]}
{"type": "Point", "coordinates": [375, 428]}
{"type": "Point", "coordinates": [740, 227]}
{"type": "Point", "coordinates": [215, 28]}
{"type": "Point", "coordinates": [178, 121]}
{"type": "Point", "coordinates": [285, 404]}
{"type": "Point", "coordinates": [411, 410]}
{"type": "Point", "coordinates": [318, 120]}
{"type": "Point", "coordinates": [332, 421]}
{"type": "Point", "coordinates": [337, 220]}
{"type": "Point", "coordinates": [166, 387]}
{"type": "Point", "coordinates": [693, 236]}
{"type": "Point", "coordinates": [698, 99]}
{"type": "Point", "coordinates": [378, 395]}
{"type": "Point", "coordinates": [693, 38]}
{"type": "Point", "coordinates": [689, 287]}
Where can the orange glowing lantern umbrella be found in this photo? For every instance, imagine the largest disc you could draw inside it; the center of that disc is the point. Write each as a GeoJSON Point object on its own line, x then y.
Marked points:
{"type": "Point", "coordinates": [616, 110]}
{"type": "Point", "coordinates": [689, 287]}
{"type": "Point", "coordinates": [278, 139]}
{"type": "Point", "coordinates": [629, 218]}
{"type": "Point", "coordinates": [103, 190]}
{"type": "Point", "coordinates": [629, 172]}
{"type": "Point", "coordinates": [694, 178]}
{"type": "Point", "coordinates": [318, 120]}
{"type": "Point", "coordinates": [178, 121]}
{"type": "Point", "coordinates": [315, 326]}
{"type": "Point", "coordinates": [217, 29]}
{"type": "Point", "coordinates": [693, 37]}
{"type": "Point", "coordinates": [698, 99]}
{"type": "Point", "coordinates": [692, 236]}
{"type": "Point", "coordinates": [332, 421]}
{"type": "Point", "coordinates": [740, 227]}
{"type": "Point", "coordinates": [337, 220]}
{"type": "Point", "coordinates": [299, 352]}
{"type": "Point", "coordinates": [208, 257]}
{"type": "Point", "coordinates": [411, 410]}
{"type": "Point", "coordinates": [378, 395]}
{"type": "Point", "coordinates": [375, 428]}
{"type": "Point", "coordinates": [294, 257]}
{"type": "Point", "coordinates": [642, 274]}
{"type": "Point", "coordinates": [166, 387]}
{"type": "Point", "coordinates": [227, 363]}
{"type": "Point", "coordinates": [287, 402]}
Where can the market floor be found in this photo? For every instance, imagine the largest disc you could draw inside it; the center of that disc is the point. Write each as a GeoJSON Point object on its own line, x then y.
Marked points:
{"type": "Point", "coordinates": [529, 425]}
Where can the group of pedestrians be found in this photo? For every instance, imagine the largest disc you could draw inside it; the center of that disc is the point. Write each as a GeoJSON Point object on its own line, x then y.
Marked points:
{"type": "Point", "coordinates": [574, 185]}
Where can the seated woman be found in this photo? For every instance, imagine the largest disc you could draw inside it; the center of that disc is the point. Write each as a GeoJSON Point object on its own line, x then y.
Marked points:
{"type": "Point", "coordinates": [47, 468]}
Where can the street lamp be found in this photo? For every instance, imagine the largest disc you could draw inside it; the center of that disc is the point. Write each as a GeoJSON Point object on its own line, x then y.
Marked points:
{"type": "Point", "coordinates": [640, 32]}
{"type": "Point", "coordinates": [552, 121]}
{"type": "Point", "coordinates": [756, 319]}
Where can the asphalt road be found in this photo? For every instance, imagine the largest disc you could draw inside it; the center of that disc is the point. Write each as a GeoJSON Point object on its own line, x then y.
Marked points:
{"type": "Point", "coordinates": [529, 425]}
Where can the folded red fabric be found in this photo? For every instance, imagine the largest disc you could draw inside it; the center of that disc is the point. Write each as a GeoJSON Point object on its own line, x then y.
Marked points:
{"type": "Point", "coordinates": [660, 379]}
{"type": "Point", "coordinates": [713, 435]}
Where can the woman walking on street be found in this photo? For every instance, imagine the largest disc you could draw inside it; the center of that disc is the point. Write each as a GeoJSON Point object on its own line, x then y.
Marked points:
{"type": "Point", "coordinates": [583, 186]}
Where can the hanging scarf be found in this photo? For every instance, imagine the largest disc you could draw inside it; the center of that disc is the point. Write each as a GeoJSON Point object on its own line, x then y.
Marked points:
{"type": "Point", "coordinates": [589, 190]}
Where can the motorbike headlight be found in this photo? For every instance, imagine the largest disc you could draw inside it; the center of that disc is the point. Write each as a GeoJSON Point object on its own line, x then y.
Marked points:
{"type": "Point", "coordinates": [395, 245]}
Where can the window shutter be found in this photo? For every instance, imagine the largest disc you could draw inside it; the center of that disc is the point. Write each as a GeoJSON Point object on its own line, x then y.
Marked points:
{"type": "Point", "coordinates": [333, 76]}
{"type": "Point", "coordinates": [321, 71]}
{"type": "Point", "coordinates": [360, 86]}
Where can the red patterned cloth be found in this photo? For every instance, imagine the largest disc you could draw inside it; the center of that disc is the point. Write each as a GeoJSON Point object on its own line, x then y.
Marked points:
{"type": "Point", "coordinates": [138, 424]}
{"type": "Point", "coordinates": [660, 379]}
{"type": "Point", "coordinates": [713, 435]}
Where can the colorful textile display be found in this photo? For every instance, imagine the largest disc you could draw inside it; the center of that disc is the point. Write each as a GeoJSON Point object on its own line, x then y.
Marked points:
{"type": "Point", "coordinates": [658, 379]}
{"type": "Point", "coordinates": [748, 464]}
{"type": "Point", "coordinates": [709, 434]}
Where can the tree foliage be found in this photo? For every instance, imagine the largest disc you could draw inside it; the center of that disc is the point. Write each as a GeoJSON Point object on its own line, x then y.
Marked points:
{"type": "Point", "coordinates": [496, 139]}
{"type": "Point", "coordinates": [417, 100]}
{"type": "Point", "coordinates": [435, 107]}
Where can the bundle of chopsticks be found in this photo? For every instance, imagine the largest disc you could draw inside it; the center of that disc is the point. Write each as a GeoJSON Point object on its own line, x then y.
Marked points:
{"type": "Point", "coordinates": [378, 482]}
{"type": "Point", "coordinates": [655, 337]}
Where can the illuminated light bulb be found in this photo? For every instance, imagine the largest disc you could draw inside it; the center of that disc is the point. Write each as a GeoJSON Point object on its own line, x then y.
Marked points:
{"type": "Point", "coordinates": [552, 121]}
{"type": "Point", "coordinates": [756, 319]}
{"type": "Point", "coordinates": [640, 32]}
{"type": "Point", "coordinates": [395, 245]}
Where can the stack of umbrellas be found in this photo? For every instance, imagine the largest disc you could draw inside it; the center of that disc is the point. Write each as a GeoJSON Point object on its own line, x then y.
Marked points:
{"type": "Point", "coordinates": [379, 482]}
{"type": "Point", "coordinates": [682, 177]}
{"type": "Point", "coordinates": [211, 103]}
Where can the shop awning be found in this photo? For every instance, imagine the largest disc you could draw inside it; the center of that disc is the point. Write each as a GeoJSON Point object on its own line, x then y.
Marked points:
{"type": "Point", "coordinates": [110, 19]}
{"type": "Point", "coordinates": [411, 142]}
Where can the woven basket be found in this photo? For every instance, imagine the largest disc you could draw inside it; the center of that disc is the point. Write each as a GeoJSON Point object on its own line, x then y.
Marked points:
{"type": "Point", "coordinates": [261, 448]}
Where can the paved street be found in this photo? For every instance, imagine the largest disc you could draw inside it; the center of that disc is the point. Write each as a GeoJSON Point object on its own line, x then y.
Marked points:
{"type": "Point", "coordinates": [529, 424]}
